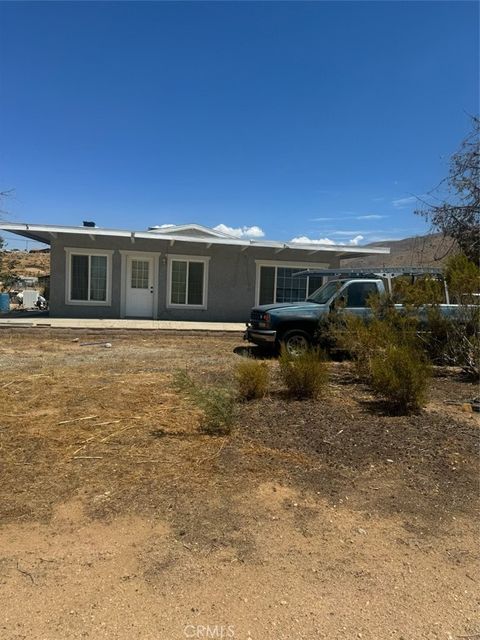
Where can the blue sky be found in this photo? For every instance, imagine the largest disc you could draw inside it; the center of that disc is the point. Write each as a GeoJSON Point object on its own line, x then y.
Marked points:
{"type": "Point", "coordinates": [317, 120]}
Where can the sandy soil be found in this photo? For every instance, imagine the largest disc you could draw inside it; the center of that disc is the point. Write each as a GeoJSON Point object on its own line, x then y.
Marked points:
{"type": "Point", "coordinates": [318, 519]}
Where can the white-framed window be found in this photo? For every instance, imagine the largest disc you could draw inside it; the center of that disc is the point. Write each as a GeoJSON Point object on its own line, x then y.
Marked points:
{"type": "Point", "coordinates": [88, 276]}
{"type": "Point", "coordinates": [187, 281]}
{"type": "Point", "coordinates": [275, 282]}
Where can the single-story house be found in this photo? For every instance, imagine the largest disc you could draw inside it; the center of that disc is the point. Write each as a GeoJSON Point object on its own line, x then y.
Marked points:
{"type": "Point", "coordinates": [183, 272]}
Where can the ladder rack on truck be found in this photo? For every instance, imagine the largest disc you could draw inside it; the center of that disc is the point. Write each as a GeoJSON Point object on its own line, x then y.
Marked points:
{"type": "Point", "coordinates": [386, 273]}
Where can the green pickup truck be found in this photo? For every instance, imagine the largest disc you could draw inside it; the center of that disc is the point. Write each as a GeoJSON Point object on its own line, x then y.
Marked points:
{"type": "Point", "coordinates": [296, 325]}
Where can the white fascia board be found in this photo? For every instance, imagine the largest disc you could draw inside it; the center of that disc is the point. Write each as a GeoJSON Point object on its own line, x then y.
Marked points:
{"type": "Point", "coordinates": [338, 248]}
{"type": "Point", "coordinates": [30, 230]}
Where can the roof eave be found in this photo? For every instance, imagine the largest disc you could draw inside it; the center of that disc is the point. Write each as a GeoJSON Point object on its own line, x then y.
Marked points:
{"type": "Point", "coordinates": [45, 234]}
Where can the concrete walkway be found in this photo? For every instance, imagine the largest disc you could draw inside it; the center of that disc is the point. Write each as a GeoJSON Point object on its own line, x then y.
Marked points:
{"type": "Point", "coordinates": [87, 323]}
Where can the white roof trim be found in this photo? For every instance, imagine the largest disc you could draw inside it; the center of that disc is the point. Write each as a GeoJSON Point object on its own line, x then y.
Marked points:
{"type": "Point", "coordinates": [32, 231]}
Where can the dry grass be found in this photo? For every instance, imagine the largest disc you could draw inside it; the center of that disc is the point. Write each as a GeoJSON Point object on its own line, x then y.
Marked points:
{"type": "Point", "coordinates": [90, 420]}
{"type": "Point", "coordinates": [90, 417]}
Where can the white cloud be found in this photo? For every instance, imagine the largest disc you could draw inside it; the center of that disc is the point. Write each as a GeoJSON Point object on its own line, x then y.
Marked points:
{"type": "Point", "coordinates": [401, 203]}
{"type": "Point", "coordinates": [349, 215]}
{"type": "Point", "coordinates": [241, 232]}
{"type": "Point", "coordinates": [306, 240]}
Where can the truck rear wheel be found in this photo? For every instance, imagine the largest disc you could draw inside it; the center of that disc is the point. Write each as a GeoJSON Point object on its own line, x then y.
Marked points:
{"type": "Point", "coordinates": [296, 342]}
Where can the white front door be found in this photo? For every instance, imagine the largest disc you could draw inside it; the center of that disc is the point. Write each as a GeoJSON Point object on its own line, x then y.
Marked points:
{"type": "Point", "coordinates": [139, 287]}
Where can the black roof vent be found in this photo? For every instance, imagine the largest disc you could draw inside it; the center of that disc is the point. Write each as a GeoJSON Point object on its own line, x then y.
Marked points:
{"type": "Point", "coordinates": [88, 223]}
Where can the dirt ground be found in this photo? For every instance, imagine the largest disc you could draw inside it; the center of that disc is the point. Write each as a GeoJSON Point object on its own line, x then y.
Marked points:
{"type": "Point", "coordinates": [315, 519]}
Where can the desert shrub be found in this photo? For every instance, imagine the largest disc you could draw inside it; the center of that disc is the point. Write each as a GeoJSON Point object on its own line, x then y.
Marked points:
{"type": "Point", "coordinates": [182, 381]}
{"type": "Point", "coordinates": [217, 404]}
{"type": "Point", "coordinates": [435, 335]}
{"type": "Point", "coordinates": [451, 340]}
{"type": "Point", "coordinates": [464, 351]}
{"type": "Point", "coordinates": [454, 342]}
{"type": "Point", "coordinates": [360, 340]}
{"type": "Point", "coordinates": [8, 273]}
{"type": "Point", "coordinates": [252, 379]}
{"type": "Point", "coordinates": [426, 289]}
{"type": "Point", "coordinates": [400, 375]}
{"type": "Point", "coordinates": [304, 375]}
{"type": "Point", "coordinates": [363, 341]}
{"type": "Point", "coordinates": [463, 279]}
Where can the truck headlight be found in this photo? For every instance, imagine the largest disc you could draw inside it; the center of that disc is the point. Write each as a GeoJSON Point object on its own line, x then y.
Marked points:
{"type": "Point", "coordinates": [264, 321]}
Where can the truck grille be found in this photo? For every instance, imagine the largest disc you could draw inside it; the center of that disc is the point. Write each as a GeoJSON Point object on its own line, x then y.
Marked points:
{"type": "Point", "coordinates": [255, 317]}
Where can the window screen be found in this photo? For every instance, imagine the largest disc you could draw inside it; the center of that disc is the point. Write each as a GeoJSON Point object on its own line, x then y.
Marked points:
{"type": "Point", "coordinates": [267, 285]}
{"type": "Point", "coordinates": [187, 282]}
{"type": "Point", "coordinates": [88, 278]}
{"type": "Point", "coordinates": [195, 283]}
{"type": "Point", "coordinates": [98, 278]}
{"type": "Point", "coordinates": [79, 282]}
{"type": "Point", "coordinates": [179, 282]}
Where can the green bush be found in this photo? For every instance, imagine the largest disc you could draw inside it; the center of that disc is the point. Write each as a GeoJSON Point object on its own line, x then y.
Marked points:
{"type": "Point", "coordinates": [463, 279]}
{"type": "Point", "coordinates": [252, 379]}
{"type": "Point", "coordinates": [365, 340]}
{"type": "Point", "coordinates": [401, 374]}
{"type": "Point", "coordinates": [182, 381]}
{"type": "Point", "coordinates": [304, 375]}
{"type": "Point", "coordinates": [217, 404]}
{"type": "Point", "coordinates": [426, 289]}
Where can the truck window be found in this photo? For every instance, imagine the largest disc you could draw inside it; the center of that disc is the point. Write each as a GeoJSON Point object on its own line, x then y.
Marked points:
{"type": "Point", "coordinates": [357, 293]}
{"type": "Point", "coordinates": [323, 295]}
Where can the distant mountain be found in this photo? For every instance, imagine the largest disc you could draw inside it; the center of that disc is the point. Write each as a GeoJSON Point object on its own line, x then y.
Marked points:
{"type": "Point", "coordinates": [419, 251]}
{"type": "Point", "coordinates": [32, 263]}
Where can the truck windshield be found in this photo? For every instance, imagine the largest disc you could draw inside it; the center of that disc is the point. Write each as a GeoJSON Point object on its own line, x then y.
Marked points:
{"type": "Point", "coordinates": [323, 295]}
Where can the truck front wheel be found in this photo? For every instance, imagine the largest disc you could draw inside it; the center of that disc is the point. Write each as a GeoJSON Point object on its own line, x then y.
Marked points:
{"type": "Point", "coordinates": [296, 342]}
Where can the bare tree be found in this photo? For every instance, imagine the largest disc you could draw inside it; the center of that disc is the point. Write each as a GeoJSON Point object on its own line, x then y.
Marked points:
{"type": "Point", "coordinates": [457, 214]}
{"type": "Point", "coordinates": [3, 196]}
